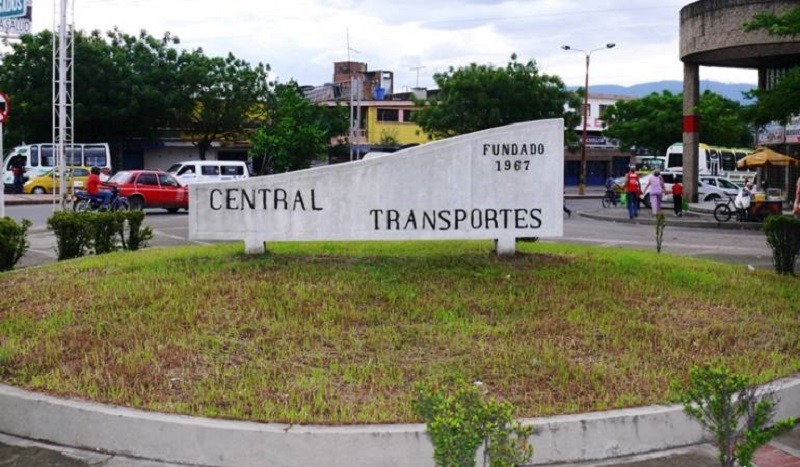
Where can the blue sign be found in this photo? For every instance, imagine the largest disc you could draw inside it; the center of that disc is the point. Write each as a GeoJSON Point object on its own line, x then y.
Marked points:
{"type": "Point", "coordinates": [12, 8]}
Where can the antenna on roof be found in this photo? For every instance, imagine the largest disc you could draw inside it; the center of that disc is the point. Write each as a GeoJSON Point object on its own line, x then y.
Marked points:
{"type": "Point", "coordinates": [417, 68]}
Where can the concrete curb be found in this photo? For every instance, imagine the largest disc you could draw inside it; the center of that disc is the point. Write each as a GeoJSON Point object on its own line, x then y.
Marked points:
{"type": "Point", "coordinates": [684, 221]}
{"type": "Point", "coordinates": [190, 440]}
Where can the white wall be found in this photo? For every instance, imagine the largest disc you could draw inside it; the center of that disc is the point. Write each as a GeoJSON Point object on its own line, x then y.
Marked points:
{"type": "Point", "coordinates": [501, 184]}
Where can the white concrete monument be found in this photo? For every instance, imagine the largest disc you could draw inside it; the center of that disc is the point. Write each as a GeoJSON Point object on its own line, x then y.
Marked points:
{"type": "Point", "coordinates": [500, 184]}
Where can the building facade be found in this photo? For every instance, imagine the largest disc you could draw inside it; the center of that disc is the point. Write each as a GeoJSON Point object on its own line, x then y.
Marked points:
{"type": "Point", "coordinates": [712, 34]}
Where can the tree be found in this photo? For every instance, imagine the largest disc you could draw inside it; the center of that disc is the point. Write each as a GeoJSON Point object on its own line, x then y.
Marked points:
{"type": "Point", "coordinates": [229, 98]}
{"type": "Point", "coordinates": [125, 86]}
{"type": "Point", "coordinates": [655, 121]}
{"type": "Point", "coordinates": [477, 97]}
{"type": "Point", "coordinates": [133, 87]}
{"type": "Point", "coordinates": [783, 100]}
{"type": "Point", "coordinates": [296, 131]}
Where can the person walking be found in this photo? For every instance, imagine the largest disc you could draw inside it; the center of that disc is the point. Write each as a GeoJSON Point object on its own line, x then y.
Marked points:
{"type": "Point", "coordinates": [796, 208]}
{"type": "Point", "coordinates": [677, 199]}
{"type": "Point", "coordinates": [633, 188]}
{"type": "Point", "coordinates": [18, 173]}
{"type": "Point", "coordinates": [655, 184]}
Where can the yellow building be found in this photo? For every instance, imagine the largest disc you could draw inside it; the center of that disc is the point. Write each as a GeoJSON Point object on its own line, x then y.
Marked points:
{"type": "Point", "coordinates": [390, 123]}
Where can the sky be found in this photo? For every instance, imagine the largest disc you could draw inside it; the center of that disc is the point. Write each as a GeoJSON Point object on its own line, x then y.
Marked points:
{"type": "Point", "coordinates": [301, 39]}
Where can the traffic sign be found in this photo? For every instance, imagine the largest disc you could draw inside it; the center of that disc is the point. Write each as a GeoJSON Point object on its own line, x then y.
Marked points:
{"type": "Point", "coordinates": [5, 107]}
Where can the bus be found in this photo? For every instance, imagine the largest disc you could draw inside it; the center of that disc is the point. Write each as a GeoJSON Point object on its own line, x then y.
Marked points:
{"type": "Point", "coordinates": [37, 159]}
{"type": "Point", "coordinates": [714, 160]}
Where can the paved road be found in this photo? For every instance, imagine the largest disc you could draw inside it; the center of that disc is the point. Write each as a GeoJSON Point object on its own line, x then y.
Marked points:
{"type": "Point", "coordinates": [745, 246]}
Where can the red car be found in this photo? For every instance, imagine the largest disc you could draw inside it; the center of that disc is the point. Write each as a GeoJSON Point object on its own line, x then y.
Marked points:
{"type": "Point", "coordinates": [151, 189]}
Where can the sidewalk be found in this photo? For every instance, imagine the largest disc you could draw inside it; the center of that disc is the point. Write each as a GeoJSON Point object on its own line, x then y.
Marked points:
{"type": "Point", "coordinates": [16, 200]}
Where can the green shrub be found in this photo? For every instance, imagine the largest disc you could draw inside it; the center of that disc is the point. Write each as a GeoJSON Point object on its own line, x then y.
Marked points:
{"type": "Point", "coordinates": [78, 233]}
{"type": "Point", "coordinates": [783, 237]}
{"type": "Point", "coordinates": [734, 411]}
{"type": "Point", "coordinates": [107, 231]}
{"type": "Point", "coordinates": [73, 233]}
{"type": "Point", "coordinates": [13, 241]}
{"type": "Point", "coordinates": [138, 236]}
{"type": "Point", "coordinates": [458, 424]}
{"type": "Point", "coordinates": [661, 222]}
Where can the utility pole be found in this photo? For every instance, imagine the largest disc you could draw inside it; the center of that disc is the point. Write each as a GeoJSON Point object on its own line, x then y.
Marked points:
{"type": "Point", "coordinates": [63, 89]}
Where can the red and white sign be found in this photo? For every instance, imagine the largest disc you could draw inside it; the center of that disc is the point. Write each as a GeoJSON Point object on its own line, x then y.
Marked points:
{"type": "Point", "coordinates": [5, 107]}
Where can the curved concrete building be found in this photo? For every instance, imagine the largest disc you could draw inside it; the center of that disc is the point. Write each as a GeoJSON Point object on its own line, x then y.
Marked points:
{"type": "Point", "coordinates": [712, 34]}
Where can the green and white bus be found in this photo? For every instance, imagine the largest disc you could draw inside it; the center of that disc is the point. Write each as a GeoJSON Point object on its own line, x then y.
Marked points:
{"type": "Point", "coordinates": [36, 159]}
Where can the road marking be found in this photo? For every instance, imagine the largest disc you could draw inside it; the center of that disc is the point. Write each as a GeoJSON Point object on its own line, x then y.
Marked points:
{"type": "Point", "coordinates": [179, 237]}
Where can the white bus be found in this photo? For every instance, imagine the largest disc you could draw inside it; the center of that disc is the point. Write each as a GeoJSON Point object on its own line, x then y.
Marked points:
{"type": "Point", "coordinates": [714, 160]}
{"type": "Point", "coordinates": [37, 159]}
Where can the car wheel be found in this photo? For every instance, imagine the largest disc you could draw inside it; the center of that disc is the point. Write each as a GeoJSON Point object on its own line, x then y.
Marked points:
{"type": "Point", "coordinates": [172, 210]}
{"type": "Point", "coordinates": [136, 203]}
{"type": "Point", "coordinates": [38, 190]}
{"type": "Point", "coordinates": [712, 197]}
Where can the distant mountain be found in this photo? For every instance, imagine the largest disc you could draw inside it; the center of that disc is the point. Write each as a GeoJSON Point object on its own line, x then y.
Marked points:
{"type": "Point", "coordinates": [730, 90]}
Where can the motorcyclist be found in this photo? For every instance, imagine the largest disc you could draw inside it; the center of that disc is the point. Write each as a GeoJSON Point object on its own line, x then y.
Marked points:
{"type": "Point", "coordinates": [93, 184]}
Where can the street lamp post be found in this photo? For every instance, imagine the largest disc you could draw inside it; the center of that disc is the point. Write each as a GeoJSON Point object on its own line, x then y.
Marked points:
{"type": "Point", "coordinates": [582, 179]}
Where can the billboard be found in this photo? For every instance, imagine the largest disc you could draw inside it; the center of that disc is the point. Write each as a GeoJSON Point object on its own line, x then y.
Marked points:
{"type": "Point", "coordinates": [15, 18]}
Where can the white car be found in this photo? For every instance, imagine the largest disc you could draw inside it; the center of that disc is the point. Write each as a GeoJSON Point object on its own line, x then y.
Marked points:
{"type": "Point", "coordinates": [709, 187]}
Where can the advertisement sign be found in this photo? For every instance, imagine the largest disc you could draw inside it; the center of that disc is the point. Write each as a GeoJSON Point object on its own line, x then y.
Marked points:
{"type": "Point", "coordinates": [793, 131]}
{"type": "Point", "coordinates": [15, 18]}
{"type": "Point", "coordinates": [771, 133]}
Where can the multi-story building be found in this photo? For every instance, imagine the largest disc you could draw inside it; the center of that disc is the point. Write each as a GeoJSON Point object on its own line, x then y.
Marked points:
{"type": "Point", "coordinates": [603, 157]}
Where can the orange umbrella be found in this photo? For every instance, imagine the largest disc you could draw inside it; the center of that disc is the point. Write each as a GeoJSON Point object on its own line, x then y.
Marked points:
{"type": "Point", "coordinates": [763, 157]}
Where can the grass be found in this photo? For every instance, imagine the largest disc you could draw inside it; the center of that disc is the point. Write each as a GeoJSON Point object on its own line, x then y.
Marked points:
{"type": "Point", "coordinates": [342, 332]}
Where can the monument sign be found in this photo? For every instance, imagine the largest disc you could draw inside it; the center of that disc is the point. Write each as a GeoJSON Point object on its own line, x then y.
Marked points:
{"type": "Point", "coordinates": [500, 184]}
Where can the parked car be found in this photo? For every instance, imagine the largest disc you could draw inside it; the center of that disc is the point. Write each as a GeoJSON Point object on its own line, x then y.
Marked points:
{"type": "Point", "coordinates": [76, 178]}
{"type": "Point", "coordinates": [711, 188]}
{"type": "Point", "coordinates": [208, 171]}
{"type": "Point", "coordinates": [151, 189]}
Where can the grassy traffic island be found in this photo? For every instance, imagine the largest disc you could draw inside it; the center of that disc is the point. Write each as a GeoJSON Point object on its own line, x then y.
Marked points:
{"type": "Point", "coordinates": [341, 333]}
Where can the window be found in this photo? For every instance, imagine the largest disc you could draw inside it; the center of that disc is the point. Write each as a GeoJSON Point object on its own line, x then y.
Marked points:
{"type": "Point", "coordinates": [603, 108]}
{"type": "Point", "coordinates": [167, 180]}
{"type": "Point", "coordinates": [34, 156]}
{"type": "Point", "coordinates": [710, 181]}
{"type": "Point", "coordinates": [388, 115]}
{"type": "Point", "coordinates": [96, 156]}
{"type": "Point", "coordinates": [74, 155]}
{"type": "Point", "coordinates": [727, 184]}
{"type": "Point", "coordinates": [209, 170]}
{"type": "Point", "coordinates": [189, 170]}
{"type": "Point", "coordinates": [147, 179]}
{"type": "Point", "coordinates": [409, 115]}
{"type": "Point", "coordinates": [232, 170]}
{"type": "Point", "coordinates": [80, 172]}
{"type": "Point", "coordinates": [48, 157]}
{"type": "Point", "coordinates": [728, 160]}
{"type": "Point", "coordinates": [586, 109]}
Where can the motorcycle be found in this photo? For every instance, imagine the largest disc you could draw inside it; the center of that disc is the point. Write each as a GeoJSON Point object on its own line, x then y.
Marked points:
{"type": "Point", "coordinates": [83, 201]}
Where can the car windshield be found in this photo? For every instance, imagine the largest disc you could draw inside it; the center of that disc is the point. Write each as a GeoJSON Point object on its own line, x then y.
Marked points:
{"type": "Point", "coordinates": [120, 177]}
{"type": "Point", "coordinates": [727, 184]}
{"type": "Point", "coordinates": [174, 168]}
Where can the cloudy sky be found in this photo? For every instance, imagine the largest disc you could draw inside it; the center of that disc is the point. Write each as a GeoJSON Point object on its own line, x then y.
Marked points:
{"type": "Point", "coordinates": [301, 39]}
